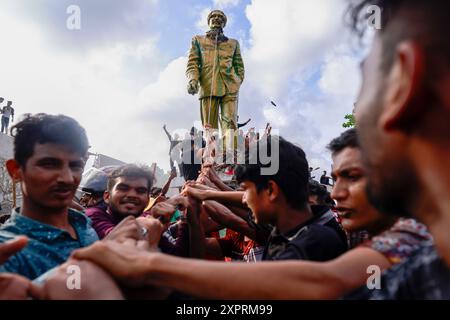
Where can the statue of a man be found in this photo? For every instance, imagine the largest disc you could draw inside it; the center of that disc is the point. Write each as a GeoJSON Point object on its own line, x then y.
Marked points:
{"type": "Point", "coordinates": [215, 65]}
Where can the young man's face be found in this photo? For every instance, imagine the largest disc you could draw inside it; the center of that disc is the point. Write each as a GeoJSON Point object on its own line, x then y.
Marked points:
{"type": "Point", "coordinates": [349, 192]}
{"type": "Point", "coordinates": [258, 202]}
{"type": "Point", "coordinates": [129, 196]}
{"type": "Point", "coordinates": [51, 176]}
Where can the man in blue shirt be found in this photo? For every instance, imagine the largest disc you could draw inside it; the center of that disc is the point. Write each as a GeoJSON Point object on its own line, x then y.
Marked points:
{"type": "Point", "coordinates": [49, 158]}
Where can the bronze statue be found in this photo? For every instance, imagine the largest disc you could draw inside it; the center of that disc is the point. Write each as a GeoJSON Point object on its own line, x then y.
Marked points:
{"type": "Point", "coordinates": [215, 65]}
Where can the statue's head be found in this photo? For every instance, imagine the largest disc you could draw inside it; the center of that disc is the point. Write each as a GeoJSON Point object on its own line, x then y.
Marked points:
{"type": "Point", "coordinates": [217, 19]}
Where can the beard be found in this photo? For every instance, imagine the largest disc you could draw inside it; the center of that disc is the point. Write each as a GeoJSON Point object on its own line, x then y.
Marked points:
{"type": "Point", "coordinates": [393, 194]}
{"type": "Point", "coordinates": [114, 209]}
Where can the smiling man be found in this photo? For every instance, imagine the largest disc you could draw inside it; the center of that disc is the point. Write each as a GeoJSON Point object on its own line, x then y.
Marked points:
{"type": "Point", "coordinates": [127, 195]}
{"type": "Point", "coordinates": [49, 157]}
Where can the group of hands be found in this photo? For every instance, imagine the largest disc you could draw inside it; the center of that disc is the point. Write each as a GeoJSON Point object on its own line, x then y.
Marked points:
{"type": "Point", "coordinates": [117, 267]}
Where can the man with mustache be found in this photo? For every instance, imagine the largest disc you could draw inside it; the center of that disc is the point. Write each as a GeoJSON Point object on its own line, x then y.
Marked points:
{"type": "Point", "coordinates": [49, 157]}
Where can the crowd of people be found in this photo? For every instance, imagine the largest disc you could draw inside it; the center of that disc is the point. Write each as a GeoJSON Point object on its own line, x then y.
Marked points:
{"type": "Point", "coordinates": [286, 236]}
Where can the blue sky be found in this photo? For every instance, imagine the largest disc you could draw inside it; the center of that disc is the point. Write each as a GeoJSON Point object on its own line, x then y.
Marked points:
{"type": "Point", "coordinates": [122, 75]}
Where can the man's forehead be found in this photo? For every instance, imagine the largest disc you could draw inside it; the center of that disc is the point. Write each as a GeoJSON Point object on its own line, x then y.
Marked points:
{"type": "Point", "coordinates": [348, 158]}
{"type": "Point", "coordinates": [54, 150]}
{"type": "Point", "coordinates": [132, 181]}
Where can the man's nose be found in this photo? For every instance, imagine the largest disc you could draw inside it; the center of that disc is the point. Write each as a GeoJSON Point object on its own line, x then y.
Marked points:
{"type": "Point", "coordinates": [66, 175]}
{"type": "Point", "coordinates": [339, 191]}
{"type": "Point", "coordinates": [132, 193]}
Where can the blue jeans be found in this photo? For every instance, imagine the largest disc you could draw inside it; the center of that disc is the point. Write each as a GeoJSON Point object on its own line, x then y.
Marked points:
{"type": "Point", "coordinates": [5, 124]}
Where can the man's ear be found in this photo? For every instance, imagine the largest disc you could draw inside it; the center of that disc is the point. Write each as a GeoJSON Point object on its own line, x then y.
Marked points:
{"type": "Point", "coordinates": [106, 196]}
{"type": "Point", "coordinates": [273, 190]}
{"type": "Point", "coordinates": [404, 87]}
{"type": "Point", "coordinates": [14, 169]}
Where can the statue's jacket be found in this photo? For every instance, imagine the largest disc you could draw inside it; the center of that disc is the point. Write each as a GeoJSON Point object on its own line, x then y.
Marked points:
{"type": "Point", "coordinates": [228, 70]}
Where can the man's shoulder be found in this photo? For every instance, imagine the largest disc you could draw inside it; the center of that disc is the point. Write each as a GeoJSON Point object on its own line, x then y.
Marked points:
{"type": "Point", "coordinates": [96, 212]}
{"type": "Point", "coordinates": [318, 235]}
{"type": "Point", "coordinates": [317, 230]}
{"type": "Point", "coordinates": [424, 275]}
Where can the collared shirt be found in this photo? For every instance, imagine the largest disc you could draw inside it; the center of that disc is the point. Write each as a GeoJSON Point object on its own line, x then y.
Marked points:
{"type": "Point", "coordinates": [103, 221]}
{"type": "Point", "coordinates": [48, 246]}
{"type": "Point", "coordinates": [309, 241]}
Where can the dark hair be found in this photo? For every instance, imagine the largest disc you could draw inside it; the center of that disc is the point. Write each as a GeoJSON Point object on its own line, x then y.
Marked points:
{"type": "Point", "coordinates": [422, 20]}
{"type": "Point", "coordinates": [44, 128]}
{"type": "Point", "coordinates": [347, 139]}
{"type": "Point", "coordinates": [155, 191]}
{"type": "Point", "coordinates": [323, 196]}
{"type": "Point", "coordinates": [292, 175]}
{"type": "Point", "coordinates": [131, 171]}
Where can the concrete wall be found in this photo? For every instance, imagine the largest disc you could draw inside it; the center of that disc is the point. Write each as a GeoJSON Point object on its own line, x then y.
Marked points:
{"type": "Point", "coordinates": [6, 146]}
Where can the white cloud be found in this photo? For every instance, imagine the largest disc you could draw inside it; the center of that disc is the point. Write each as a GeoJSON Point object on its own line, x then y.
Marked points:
{"type": "Point", "coordinates": [298, 57]}
{"type": "Point", "coordinates": [202, 22]}
{"type": "Point", "coordinates": [288, 36]}
{"type": "Point", "coordinates": [94, 87]}
{"type": "Point", "coordinates": [340, 77]}
{"type": "Point", "coordinates": [222, 4]}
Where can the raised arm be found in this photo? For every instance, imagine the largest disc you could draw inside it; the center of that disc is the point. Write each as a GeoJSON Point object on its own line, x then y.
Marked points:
{"type": "Point", "coordinates": [172, 176]}
{"type": "Point", "coordinates": [226, 197]}
{"type": "Point", "coordinates": [167, 133]}
{"type": "Point", "coordinates": [226, 218]}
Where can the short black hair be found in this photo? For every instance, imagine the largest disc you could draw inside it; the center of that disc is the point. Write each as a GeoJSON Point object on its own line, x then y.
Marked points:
{"type": "Point", "coordinates": [155, 191]}
{"type": "Point", "coordinates": [293, 171]}
{"type": "Point", "coordinates": [347, 139]}
{"type": "Point", "coordinates": [319, 190]}
{"type": "Point", "coordinates": [44, 128]}
{"type": "Point", "coordinates": [422, 20]}
{"type": "Point", "coordinates": [131, 171]}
